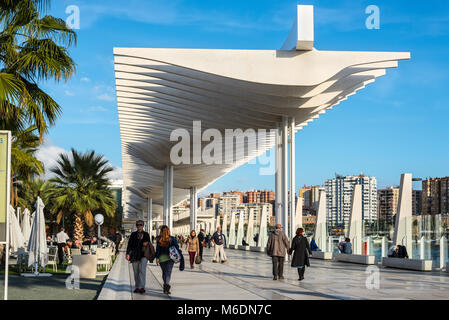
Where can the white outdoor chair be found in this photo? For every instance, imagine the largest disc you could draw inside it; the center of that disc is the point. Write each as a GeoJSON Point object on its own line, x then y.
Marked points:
{"type": "Point", "coordinates": [53, 258]}
{"type": "Point", "coordinates": [75, 252]}
{"type": "Point", "coordinates": [103, 258]}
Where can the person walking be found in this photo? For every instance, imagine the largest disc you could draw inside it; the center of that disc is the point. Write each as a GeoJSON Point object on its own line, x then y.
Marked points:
{"type": "Point", "coordinates": [277, 247]}
{"type": "Point", "coordinates": [301, 248]}
{"type": "Point", "coordinates": [201, 239]}
{"type": "Point", "coordinates": [193, 247]}
{"type": "Point", "coordinates": [347, 249]}
{"type": "Point", "coordinates": [164, 242]}
{"type": "Point", "coordinates": [61, 239]}
{"type": "Point", "coordinates": [313, 245]}
{"type": "Point", "coordinates": [135, 254]}
{"type": "Point", "coordinates": [219, 240]}
{"type": "Point", "coordinates": [117, 240]}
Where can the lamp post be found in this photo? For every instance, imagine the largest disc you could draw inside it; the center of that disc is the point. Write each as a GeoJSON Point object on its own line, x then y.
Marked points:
{"type": "Point", "coordinates": [99, 219]}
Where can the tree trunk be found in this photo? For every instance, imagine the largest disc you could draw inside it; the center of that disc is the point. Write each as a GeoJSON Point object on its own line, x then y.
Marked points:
{"type": "Point", "coordinates": [79, 228]}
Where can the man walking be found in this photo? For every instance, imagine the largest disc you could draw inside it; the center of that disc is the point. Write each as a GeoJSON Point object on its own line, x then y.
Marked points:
{"type": "Point", "coordinates": [117, 240]}
{"type": "Point", "coordinates": [277, 248]}
{"type": "Point", "coordinates": [219, 241]}
{"type": "Point", "coordinates": [61, 239]}
{"type": "Point", "coordinates": [201, 238]}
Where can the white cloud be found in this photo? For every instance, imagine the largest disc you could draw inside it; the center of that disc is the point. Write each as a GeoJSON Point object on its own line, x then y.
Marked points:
{"type": "Point", "coordinates": [85, 79]}
{"type": "Point", "coordinates": [106, 97]}
{"type": "Point", "coordinates": [69, 93]}
{"type": "Point", "coordinates": [97, 109]}
{"type": "Point", "coordinates": [49, 154]}
{"type": "Point", "coordinates": [117, 174]}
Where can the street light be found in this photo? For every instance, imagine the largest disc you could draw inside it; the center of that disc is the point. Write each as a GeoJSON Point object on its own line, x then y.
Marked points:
{"type": "Point", "coordinates": [99, 219]}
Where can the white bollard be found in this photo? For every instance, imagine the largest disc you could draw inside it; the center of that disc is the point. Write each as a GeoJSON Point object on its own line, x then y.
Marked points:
{"type": "Point", "coordinates": [384, 250]}
{"type": "Point", "coordinates": [443, 252]}
{"type": "Point", "coordinates": [422, 248]}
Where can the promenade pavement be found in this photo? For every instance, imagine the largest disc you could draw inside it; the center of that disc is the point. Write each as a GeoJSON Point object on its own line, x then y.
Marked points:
{"type": "Point", "coordinates": [248, 276]}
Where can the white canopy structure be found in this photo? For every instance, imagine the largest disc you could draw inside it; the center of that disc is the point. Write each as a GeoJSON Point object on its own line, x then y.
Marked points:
{"type": "Point", "coordinates": [161, 90]}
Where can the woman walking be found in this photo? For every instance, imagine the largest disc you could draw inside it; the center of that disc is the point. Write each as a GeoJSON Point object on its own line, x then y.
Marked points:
{"type": "Point", "coordinates": [300, 245]}
{"type": "Point", "coordinates": [164, 242]}
{"type": "Point", "coordinates": [135, 254]}
{"type": "Point", "coordinates": [193, 247]}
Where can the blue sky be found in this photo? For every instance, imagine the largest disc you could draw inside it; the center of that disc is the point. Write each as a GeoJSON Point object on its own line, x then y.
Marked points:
{"type": "Point", "coordinates": [398, 124]}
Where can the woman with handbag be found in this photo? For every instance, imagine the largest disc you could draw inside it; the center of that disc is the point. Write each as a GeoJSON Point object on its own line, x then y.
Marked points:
{"type": "Point", "coordinates": [193, 247]}
{"type": "Point", "coordinates": [135, 254]}
{"type": "Point", "coordinates": [165, 253]}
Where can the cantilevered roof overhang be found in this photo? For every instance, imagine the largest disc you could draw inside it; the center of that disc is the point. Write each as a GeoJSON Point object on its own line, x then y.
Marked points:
{"type": "Point", "coordinates": [161, 90]}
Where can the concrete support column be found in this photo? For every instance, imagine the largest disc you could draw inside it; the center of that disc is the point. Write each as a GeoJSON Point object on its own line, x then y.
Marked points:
{"type": "Point", "coordinates": [292, 169]}
{"type": "Point", "coordinates": [278, 173]}
{"type": "Point", "coordinates": [193, 208]}
{"type": "Point", "coordinates": [284, 175]}
{"type": "Point", "coordinates": [168, 196]}
{"type": "Point", "coordinates": [150, 216]}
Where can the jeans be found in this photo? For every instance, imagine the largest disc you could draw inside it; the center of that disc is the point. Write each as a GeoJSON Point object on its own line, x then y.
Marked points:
{"type": "Point", "coordinates": [167, 268]}
{"type": "Point", "coordinates": [278, 266]}
{"type": "Point", "coordinates": [140, 272]}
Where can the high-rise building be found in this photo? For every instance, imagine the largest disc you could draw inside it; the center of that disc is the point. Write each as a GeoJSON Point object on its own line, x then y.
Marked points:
{"type": "Point", "coordinates": [259, 196]}
{"type": "Point", "coordinates": [311, 196]}
{"type": "Point", "coordinates": [435, 196]}
{"type": "Point", "coordinates": [239, 193]}
{"type": "Point", "coordinates": [339, 192]}
{"type": "Point", "coordinates": [228, 203]}
{"type": "Point", "coordinates": [417, 202]}
{"type": "Point", "coordinates": [387, 203]}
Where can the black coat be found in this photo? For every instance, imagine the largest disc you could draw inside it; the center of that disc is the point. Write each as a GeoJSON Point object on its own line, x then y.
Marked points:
{"type": "Point", "coordinates": [135, 246]}
{"type": "Point", "coordinates": [300, 245]}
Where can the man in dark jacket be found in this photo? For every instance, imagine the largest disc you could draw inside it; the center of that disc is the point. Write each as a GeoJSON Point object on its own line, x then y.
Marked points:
{"type": "Point", "coordinates": [277, 247]}
{"type": "Point", "coordinates": [135, 254]}
{"type": "Point", "coordinates": [117, 240]}
{"type": "Point", "coordinates": [201, 239]}
{"type": "Point", "coordinates": [301, 247]}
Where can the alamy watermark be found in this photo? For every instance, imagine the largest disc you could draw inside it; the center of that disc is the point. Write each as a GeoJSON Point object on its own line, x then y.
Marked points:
{"type": "Point", "coordinates": [373, 20]}
{"type": "Point", "coordinates": [73, 280]}
{"type": "Point", "coordinates": [372, 281]}
{"type": "Point", "coordinates": [73, 20]}
{"type": "Point", "coordinates": [233, 146]}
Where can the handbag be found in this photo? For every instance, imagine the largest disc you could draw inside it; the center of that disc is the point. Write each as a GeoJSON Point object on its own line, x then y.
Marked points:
{"type": "Point", "coordinates": [174, 254]}
{"type": "Point", "coordinates": [197, 259]}
{"type": "Point", "coordinates": [149, 252]}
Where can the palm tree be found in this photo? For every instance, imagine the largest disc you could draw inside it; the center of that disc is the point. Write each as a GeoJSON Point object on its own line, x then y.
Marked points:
{"type": "Point", "coordinates": [31, 189]}
{"type": "Point", "coordinates": [24, 165]}
{"type": "Point", "coordinates": [81, 188]}
{"type": "Point", "coordinates": [32, 48]}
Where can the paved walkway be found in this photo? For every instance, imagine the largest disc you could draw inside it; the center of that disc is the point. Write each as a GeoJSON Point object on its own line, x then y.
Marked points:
{"type": "Point", "coordinates": [247, 276]}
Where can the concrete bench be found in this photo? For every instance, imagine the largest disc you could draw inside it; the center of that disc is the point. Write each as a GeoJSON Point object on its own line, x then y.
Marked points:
{"type": "Point", "coordinates": [245, 248]}
{"type": "Point", "coordinates": [233, 246]}
{"type": "Point", "coordinates": [321, 255]}
{"type": "Point", "coordinates": [257, 249]}
{"type": "Point", "coordinates": [355, 258]}
{"type": "Point", "coordinates": [409, 264]}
